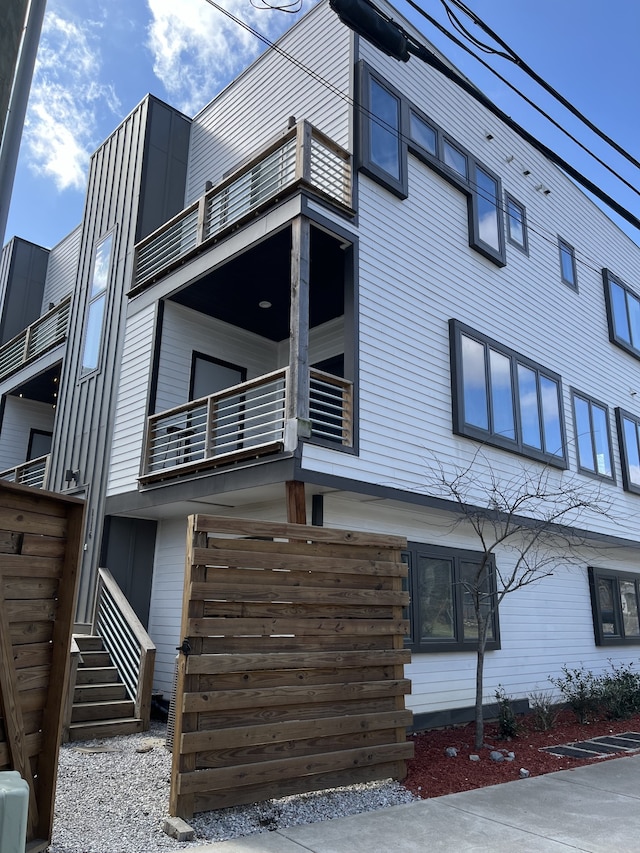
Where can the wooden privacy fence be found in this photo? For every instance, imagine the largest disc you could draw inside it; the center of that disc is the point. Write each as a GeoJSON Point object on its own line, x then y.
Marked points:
{"type": "Point", "coordinates": [40, 535]}
{"type": "Point", "coordinates": [294, 678]}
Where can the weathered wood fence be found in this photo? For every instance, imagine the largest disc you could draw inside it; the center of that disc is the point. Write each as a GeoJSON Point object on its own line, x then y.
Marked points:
{"type": "Point", "coordinates": [40, 537]}
{"type": "Point", "coordinates": [294, 680]}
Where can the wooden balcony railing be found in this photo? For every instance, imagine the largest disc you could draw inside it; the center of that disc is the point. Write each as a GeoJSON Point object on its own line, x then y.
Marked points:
{"type": "Point", "coordinates": [246, 420]}
{"type": "Point", "coordinates": [47, 331]}
{"type": "Point", "coordinates": [32, 473]}
{"type": "Point", "coordinates": [303, 155]}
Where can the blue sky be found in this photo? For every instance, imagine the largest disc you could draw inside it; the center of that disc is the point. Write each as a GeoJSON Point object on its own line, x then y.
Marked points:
{"type": "Point", "coordinates": [98, 58]}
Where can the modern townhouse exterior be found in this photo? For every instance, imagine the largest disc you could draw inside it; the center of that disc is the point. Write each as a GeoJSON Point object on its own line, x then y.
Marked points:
{"type": "Point", "coordinates": [344, 272]}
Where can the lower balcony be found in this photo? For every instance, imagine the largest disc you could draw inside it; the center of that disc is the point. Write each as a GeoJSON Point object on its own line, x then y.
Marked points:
{"type": "Point", "coordinates": [246, 421]}
{"type": "Point", "coordinates": [32, 473]}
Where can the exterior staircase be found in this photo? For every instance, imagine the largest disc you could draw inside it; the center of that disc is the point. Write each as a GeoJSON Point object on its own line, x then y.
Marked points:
{"type": "Point", "coordinates": [100, 707]}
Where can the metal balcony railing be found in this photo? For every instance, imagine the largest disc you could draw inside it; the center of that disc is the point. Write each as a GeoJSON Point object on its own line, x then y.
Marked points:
{"type": "Point", "coordinates": [246, 420]}
{"type": "Point", "coordinates": [47, 331]}
{"type": "Point", "coordinates": [32, 473]}
{"type": "Point", "coordinates": [304, 155]}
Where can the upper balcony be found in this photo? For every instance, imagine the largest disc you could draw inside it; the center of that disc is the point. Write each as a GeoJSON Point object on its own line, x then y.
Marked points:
{"type": "Point", "coordinates": [302, 157]}
{"type": "Point", "coordinates": [44, 334]}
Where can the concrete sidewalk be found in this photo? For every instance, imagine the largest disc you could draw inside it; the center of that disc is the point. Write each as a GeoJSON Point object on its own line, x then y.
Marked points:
{"type": "Point", "coordinates": [595, 807]}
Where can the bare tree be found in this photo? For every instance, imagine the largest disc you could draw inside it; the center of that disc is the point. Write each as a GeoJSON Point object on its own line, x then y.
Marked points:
{"type": "Point", "coordinates": [527, 525]}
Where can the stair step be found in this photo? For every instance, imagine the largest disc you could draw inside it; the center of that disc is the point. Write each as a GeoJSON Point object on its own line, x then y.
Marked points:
{"type": "Point", "coordinates": [104, 728]}
{"type": "Point", "coordinates": [99, 692]}
{"type": "Point", "coordinates": [97, 675]}
{"type": "Point", "coordinates": [88, 642]}
{"type": "Point", "coordinates": [111, 710]}
{"type": "Point", "coordinates": [95, 659]}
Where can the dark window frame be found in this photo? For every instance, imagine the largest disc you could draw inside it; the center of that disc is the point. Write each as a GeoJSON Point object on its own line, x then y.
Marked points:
{"type": "Point", "coordinates": [408, 144]}
{"type": "Point", "coordinates": [568, 249]}
{"type": "Point", "coordinates": [627, 483]}
{"type": "Point", "coordinates": [457, 556]}
{"type": "Point", "coordinates": [591, 402]}
{"type": "Point", "coordinates": [511, 200]}
{"type": "Point", "coordinates": [397, 185]}
{"type": "Point", "coordinates": [33, 432]}
{"type": "Point", "coordinates": [618, 638]}
{"type": "Point", "coordinates": [203, 356]}
{"type": "Point", "coordinates": [94, 299]}
{"type": "Point", "coordinates": [610, 279]}
{"type": "Point", "coordinates": [488, 436]}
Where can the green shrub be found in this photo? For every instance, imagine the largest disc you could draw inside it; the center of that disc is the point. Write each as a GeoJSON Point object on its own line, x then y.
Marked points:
{"type": "Point", "coordinates": [580, 689]}
{"type": "Point", "coordinates": [545, 711]}
{"type": "Point", "coordinates": [508, 725]}
{"type": "Point", "coordinates": [620, 692]}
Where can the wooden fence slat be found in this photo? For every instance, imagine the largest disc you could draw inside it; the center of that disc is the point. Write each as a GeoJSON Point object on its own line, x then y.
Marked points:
{"type": "Point", "coordinates": [300, 562]}
{"type": "Point", "coordinates": [337, 551]}
{"type": "Point", "coordinates": [36, 545]}
{"type": "Point", "coordinates": [284, 677]}
{"type": "Point", "coordinates": [300, 627]}
{"type": "Point", "coordinates": [253, 527]}
{"type": "Point", "coordinates": [312, 594]}
{"type": "Point", "coordinates": [29, 587]}
{"type": "Point", "coordinates": [31, 522]}
{"type": "Point", "coordinates": [220, 663]}
{"type": "Point", "coordinates": [21, 565]}
{"type": "Point", "coordinates": [292, 579]}
{"type": "Point", "coordinates": [30, 610]}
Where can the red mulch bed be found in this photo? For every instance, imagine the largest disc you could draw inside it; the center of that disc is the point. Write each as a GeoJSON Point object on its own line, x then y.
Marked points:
{"type": "Point", "coordinates": [431, 773]}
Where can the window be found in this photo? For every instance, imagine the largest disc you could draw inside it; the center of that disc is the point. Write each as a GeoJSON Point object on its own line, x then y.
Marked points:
{"type": "Point", "coordinates": [629, 441]}
{"type": "Point", "coordinates": [382, 151]}
{"type": "Point", "coordinates": [623, 314]}
{"type": "Point", "coordinates": [97, 301]}
{"type": "Point", "coordinates": [516, 223]}
{"type": "Point", "coordinates": [567, 264]}
{"type": "Point", "coordinates": [423, 133]}
{"type": "Point", "coordinates": [593, 439]}
{"type": "Point", "coordinates": [502, 398]}
{"type": "Point", "coordinates": [39, 444]}
{"type": "Point", "coordinates": [615, 598]}
{"type": "Point", "coordinates": [455, 159]}
{"type": "Point", "coordinates": [442, 583]}
{"type": "Point", "coordinates": [486, 221]}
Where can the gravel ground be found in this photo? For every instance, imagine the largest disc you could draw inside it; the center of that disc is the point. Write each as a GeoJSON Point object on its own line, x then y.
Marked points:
{"type": "Point", "coordinates": [113, 795]}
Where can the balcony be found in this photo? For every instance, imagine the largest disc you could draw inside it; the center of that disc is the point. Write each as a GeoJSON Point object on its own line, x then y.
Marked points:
{"type": "Point", "coordinates": [302, 157]}
{"type": "Point", "coordinates": [32, 473]}
{"type": "Point", "coordinates": [247, 421]}
{"type": "Point", "coordinates": [47, 332]}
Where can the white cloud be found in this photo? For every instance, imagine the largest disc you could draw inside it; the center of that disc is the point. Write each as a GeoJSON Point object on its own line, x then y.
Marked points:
{"type": "Point", "coordinates": [197, 49]}
{"type": "Point", "coordinates": [61, 129]}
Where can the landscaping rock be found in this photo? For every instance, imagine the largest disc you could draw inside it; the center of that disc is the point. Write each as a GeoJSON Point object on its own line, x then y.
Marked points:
{"type": "Point", "coordinates": [474, 758]}
{"type": "Point", "coordinates": [496, 756]}
{"type": "Point", "coordinates": [451, 752]}
{"type": "Point", "coordinates": [524, 773]}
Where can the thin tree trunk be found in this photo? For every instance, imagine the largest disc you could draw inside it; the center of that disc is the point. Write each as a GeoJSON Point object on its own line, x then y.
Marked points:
{"type": "Point", "coordinates": [479, 691]}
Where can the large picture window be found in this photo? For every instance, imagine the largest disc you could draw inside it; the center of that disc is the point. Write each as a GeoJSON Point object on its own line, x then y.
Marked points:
{"type": "Point", "coordinates": [623, 313]}
{"type": "Point", "coordinates": [442, 614]}
{"type": "Point", "coordinates": [615, 599]}
{"type": "Point", "coordinates": [505, 399]}
{"type": "Point", "coordinates": [97, 300]}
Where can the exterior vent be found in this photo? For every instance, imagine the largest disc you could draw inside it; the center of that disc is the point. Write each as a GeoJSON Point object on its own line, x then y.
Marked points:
{"type": "Point", "coordinates": [171, 718]}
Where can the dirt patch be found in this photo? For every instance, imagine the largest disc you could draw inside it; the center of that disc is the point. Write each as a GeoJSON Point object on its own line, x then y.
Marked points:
{"type": "Point", "coordinates": [433, 773]}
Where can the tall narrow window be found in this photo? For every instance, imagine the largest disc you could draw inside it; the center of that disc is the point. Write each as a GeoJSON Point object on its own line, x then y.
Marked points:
{"type": "Point", "coordinates": [568, 264]}
{"type": "Point", "coordinates": [623, 314]}
{"type": "Point", "coordinates": [516, 223]}
{"type": "Point", "coordinates": [505, 399]}
{"type": "Point", "coordinates": [383, 153]}
{"type": "Point", "coordinates": [97, 301]}
{"type": "Point", "coordinates": [629, 441]}
{"type": "Point", "coordinates": [593, 439]}
{"type": "Point", "coordinates": [486, 203]}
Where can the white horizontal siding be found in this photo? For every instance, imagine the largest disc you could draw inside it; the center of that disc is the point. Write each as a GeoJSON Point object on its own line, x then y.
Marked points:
{"type": "Point", "coordinates": [543, 627]}
{"type": "Point", "coordinates": [131, 405]}
{"type": "Point", "coordinates": [62, 269]}
{"type": "Point", "coordinates": [20, 417]}
{"type": "Point", "coordinates": [257, 105]}
{"type": "Point", "coordinates": [185, 331]}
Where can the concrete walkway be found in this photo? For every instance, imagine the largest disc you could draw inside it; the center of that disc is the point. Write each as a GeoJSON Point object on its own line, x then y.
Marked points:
{"type": "Point", "coordinates": [595, 807]}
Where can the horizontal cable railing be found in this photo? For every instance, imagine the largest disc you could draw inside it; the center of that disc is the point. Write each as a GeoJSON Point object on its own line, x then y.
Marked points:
{"type": "Point", "coordinates": [32, 473]}
{"type": "Point", "coordinates": [330, 407]}
{"type": "Point", "coordinates": [240, 419]}
{"type": "Point", "coordinates": [46, 332]}
{"type": "Point", "coordinates": [303, 154]}
{"type": "Point", "coordinates": [131, 650]}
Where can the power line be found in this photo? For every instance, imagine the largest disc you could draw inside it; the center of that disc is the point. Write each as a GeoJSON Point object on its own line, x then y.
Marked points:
{"type": "Point", "coordinates": [512, 56]}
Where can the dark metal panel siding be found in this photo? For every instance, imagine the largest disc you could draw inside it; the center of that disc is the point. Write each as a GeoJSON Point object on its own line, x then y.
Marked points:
{"type": "Point", "coordinates": [24, 288]}
{"type": "Point", "coordinates": [62, 269]}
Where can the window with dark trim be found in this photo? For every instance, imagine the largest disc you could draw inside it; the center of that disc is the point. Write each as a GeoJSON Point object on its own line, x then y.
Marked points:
{"type": "Point", "coordinates": [39, 443]}
{"type": "Point", "coordinates": [568, 271]}
{"type": "Point", "coordinates": [97, 300]}
{"type": "Point", "coordinates": [593, 437]}
{"type": "Point", "coordinates": [516, 223]}
{"type": "Point", "coordinates": [503, 398]}
{"type": "Point", "coordinates": [623, 313]}
{"type": "Point", "coordinates": [383, 153]}
{"type": "Point", "coordinates": [441, 584]}
{"type": "Point", "coordinates": [615, 602]}
{"type": "Point", "coordinates": [629, 440]}
{"type": "Point", "coordinates": [390, 126]}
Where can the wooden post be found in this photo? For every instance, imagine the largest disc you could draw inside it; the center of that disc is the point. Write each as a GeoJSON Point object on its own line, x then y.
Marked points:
{"type": "Point", "coordinates": [297, 406]}
{"type": "Point", "coordinates": [296, 503]}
